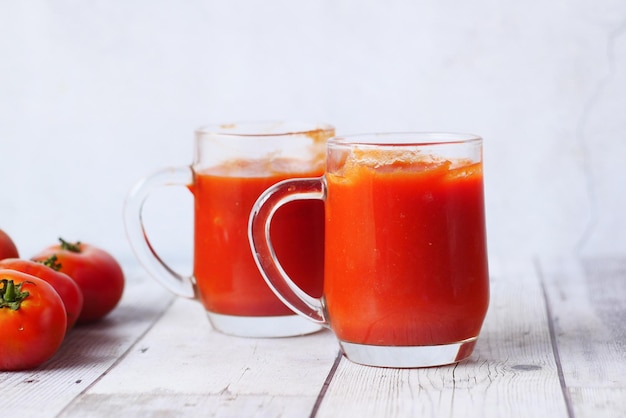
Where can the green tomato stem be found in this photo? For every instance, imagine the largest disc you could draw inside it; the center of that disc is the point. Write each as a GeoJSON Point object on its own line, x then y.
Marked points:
{"type": "Point", "coordinates": [52, 262]}
{"type": "Point", "coordinates": [12, 296]}
{"type": "Point", "coordinates": [75, 248]}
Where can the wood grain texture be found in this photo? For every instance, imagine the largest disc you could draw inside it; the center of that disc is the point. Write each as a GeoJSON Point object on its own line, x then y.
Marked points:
{"type": "Point", "coordinates": [588, 302]}
{"type": "Point", "coordinates": [184, 368]}
{"type": "Point", "coordinates": [553, 344]}
{"type": "Point", "coordinates": [88, 353]}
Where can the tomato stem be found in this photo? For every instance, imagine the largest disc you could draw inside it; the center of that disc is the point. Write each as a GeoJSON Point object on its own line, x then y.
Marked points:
{"type": "Point", "coordinates": [52, 262]}
{"type": "Point", "coordinates": [11, 296]}
{"type": "Point", "coordinates": [75, 247]}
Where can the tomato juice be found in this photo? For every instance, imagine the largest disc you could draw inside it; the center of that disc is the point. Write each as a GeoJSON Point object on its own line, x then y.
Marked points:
{"type": "Point", "coordinates": [227, 277]}
{"type": "Point", "coordinates": [406, 258]}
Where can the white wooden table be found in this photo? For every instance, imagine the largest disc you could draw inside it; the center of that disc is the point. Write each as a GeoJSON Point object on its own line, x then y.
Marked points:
{"type": "Point", "coordinates": [553, 345]}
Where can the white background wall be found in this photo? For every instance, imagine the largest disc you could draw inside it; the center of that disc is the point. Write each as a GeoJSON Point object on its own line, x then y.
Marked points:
{"type": "Point", "coordinates": [96, 94]}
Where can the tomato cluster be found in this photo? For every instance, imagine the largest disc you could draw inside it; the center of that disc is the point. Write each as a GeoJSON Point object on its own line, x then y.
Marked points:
{"type": "Point", "coordinates": [44, 297]}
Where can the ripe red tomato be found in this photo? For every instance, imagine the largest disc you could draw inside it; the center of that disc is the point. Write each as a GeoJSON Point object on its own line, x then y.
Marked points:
{"type": "Point", "coordinates": [96, 272]}
{"type": "Point", "coordinates": [65, 286]}
{"type": "Point", "coordinates": [32, 321]}
{"type": "Point", "coordinates": [7, 246]}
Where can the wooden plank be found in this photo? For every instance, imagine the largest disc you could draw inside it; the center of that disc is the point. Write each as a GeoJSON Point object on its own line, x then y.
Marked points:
{"type": "Point", "coordinates": [184, 368]}
{"type": "Point", "coordinates": [140, 361]}
{"type": "Point", "coordinates": [588, 304]}
{"type": "Point", "coordinates": [177, 405]}
{"type": "Point", "coordinates": [512, 372]}
{"type": "Point", "coordinates": [88, 352]}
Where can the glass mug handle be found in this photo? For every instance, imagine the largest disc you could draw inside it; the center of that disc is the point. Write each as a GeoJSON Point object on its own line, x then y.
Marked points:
{"type": "Point", "coordinates": [263, 251]}
{"type": "Point", "coordinates": [177, 283]}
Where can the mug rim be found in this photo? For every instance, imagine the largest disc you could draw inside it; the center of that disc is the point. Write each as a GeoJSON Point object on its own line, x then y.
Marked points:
{"type": "Point", "coordinates": [264, 128]}
{"type": "Point", "coordinates": [405, 138]}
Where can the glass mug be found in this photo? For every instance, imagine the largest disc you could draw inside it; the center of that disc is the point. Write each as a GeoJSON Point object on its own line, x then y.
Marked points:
{"type": "Point", "coordinates": [232, 166]}
{"type": "Point", "coordinates": [406, 277]}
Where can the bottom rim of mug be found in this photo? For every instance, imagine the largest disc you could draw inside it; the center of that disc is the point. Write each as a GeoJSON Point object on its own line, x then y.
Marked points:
{"type": "Point", "coordinates": [408, 356]}
{"type": "Point", "coordinates": [262, 326]}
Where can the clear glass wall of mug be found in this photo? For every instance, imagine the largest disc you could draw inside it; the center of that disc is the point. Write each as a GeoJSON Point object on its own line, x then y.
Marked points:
{"type": "Point", "coordinates": [406, 277]}
{"type": "Point", "coordinates": [233, 164]}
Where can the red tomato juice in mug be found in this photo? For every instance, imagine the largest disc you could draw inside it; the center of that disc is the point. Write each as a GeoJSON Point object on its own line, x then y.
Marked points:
{"type": "Point", "coordinates": [228, 280]}
{"type": "Point", "coordinates": [406, 262]}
